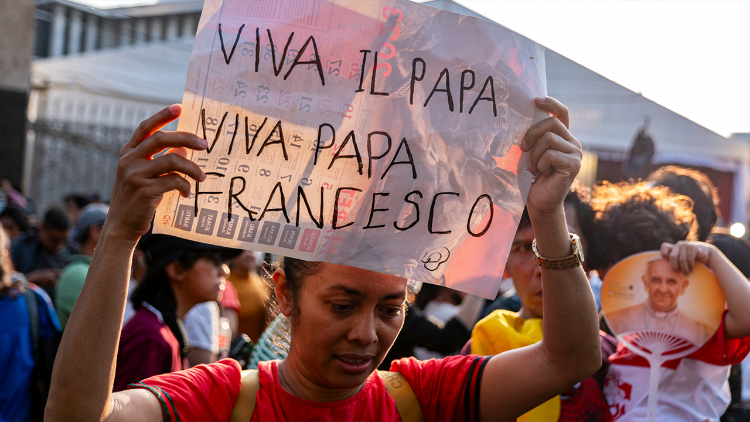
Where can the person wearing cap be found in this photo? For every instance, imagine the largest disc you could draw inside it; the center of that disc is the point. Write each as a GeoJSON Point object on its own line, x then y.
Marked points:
{"type": "Point", "coordinates": [181, 274]}
{"type": "Point", "coordinates": [73, 275]}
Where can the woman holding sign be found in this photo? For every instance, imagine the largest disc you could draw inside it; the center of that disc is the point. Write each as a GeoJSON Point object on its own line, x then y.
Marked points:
{"type": "Point", "coordinates": [343, 319]}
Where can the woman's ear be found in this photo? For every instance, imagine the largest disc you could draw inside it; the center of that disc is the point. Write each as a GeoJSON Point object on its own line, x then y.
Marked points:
{"type": "Point", "coordinates": [174, 271]}
{"type": "Point", "coordinates": [283, 295]}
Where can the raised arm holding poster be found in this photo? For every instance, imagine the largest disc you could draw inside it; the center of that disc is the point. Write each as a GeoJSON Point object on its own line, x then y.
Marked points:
{"type": "Point", "coordinates": [382, 135]}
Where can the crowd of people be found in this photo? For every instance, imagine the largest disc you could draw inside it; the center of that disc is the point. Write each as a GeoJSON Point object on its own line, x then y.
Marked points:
{"type": "Point", "coordinates": [102, 319]}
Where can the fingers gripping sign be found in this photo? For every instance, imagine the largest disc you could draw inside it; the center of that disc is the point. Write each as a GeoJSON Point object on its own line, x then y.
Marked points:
{"type": "Point", "coordinates": [141, 179]}
{"type": "Point", "coordinates": [555, 157]}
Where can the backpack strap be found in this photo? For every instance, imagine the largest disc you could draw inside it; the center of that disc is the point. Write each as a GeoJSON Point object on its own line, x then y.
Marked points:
{"type": "Point", "coordinates": [32, 305]}
{"type": "Point", "coordinates": [250, 384]}
{"type": "Point", "coordinates": [406, 401]}
{"type": "Point", "coordinates": [395, 384]}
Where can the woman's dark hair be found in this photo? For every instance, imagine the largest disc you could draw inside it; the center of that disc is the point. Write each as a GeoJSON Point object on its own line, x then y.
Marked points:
{"type": "Point", "coordinates": [633, 217]}
{"type": "Point", "coordinates": [579, 197]}
{"type": "Point", "coordinates": [696, 186]}
{"type": "Point", "coordinates": [157, 292]}
{"type": "Point", "coordinates": [296, 270]}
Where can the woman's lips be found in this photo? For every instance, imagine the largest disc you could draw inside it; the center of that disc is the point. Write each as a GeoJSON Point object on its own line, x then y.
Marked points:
{"type": "Point", "coordinates": [353, 364]}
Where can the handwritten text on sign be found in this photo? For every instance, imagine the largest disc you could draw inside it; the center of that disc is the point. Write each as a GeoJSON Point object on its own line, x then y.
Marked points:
{"type": "Point", "coordinates": [381, 135]}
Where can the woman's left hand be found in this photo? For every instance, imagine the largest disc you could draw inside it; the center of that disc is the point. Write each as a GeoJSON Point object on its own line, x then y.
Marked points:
{"type": "Point", "coordinates": [555, 158]}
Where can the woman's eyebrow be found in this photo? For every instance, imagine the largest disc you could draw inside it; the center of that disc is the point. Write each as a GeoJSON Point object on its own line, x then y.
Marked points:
{"type": "Point", "coordinates": [363, 295]}
{"type": "Point", "coordinates": [399, 295]}
{"type": "Point", "coordinates": [348, 290]}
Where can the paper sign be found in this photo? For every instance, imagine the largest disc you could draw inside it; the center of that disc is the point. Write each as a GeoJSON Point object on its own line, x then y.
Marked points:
{"type": "Point", "coordinates": [378, 134]}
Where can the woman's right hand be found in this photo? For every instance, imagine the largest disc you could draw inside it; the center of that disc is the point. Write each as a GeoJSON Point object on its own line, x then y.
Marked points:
{"type": "Point", "coordinates": [683, 254]}
{"type": "Point", "coordinates": [142, 180]}
{"type": "Point", "coordinates": [84, 371]}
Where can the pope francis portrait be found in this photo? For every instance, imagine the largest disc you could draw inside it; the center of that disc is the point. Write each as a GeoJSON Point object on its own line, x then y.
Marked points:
{"type": "Point", "coordinates": [661, 311]}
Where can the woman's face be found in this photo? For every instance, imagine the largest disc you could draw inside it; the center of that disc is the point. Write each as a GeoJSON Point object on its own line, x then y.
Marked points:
{"type": "Point", "coordinates": [204, 279]}
{"type": "Point", "coordinates": [348, 319]}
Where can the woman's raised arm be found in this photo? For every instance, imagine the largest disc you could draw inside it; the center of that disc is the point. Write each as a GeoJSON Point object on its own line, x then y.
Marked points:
{"type": "Point", "coordinates": [85, 365]}
{"type": "Point", "coordinates": [514, 382]}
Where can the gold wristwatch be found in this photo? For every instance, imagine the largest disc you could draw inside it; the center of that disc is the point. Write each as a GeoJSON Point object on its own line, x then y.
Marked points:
{"type": "Point", "coordinates": [564, 263]}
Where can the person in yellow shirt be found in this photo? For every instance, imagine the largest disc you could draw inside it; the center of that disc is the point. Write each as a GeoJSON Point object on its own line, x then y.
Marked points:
{"type": "Point", "coordinates": [252, 293]}
{"type": "Point", "coordinates": [503, 330]}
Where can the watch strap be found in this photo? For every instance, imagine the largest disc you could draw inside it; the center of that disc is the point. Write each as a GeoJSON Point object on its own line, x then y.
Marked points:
{"type": "Point", "coordinates": [564, 263]}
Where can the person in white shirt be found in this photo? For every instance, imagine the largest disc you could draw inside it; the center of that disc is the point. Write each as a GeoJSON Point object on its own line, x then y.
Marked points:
{"type": "Point", "coordinates": [634, 218]}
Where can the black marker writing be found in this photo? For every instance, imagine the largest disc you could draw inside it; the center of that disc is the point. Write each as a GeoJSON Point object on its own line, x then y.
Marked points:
{"type": "Point", "coordinates": [221, 38]}
{"type": "Point", "coordinates": [283, 201]}
{"type": "Point", "coordinates": [416, 211]}
{"type": "Point", "coordinates": [338, 155]}
{"type": "Point", "coordinates": [370, 157]}
{"type": "Point", "coordinates": [316, 61]}
{"type": "Point", "coordinates": [489, 222]}
{"type": "Point", "coordinates": [447, 88]}
{"type": "Point", "coordinates": [465, 87]}
{"type": "Point", "coordinates": [373, 210]}
{"type": "Point", "coordinates": [432, 212]}
{"type": "Point", "coordinates": [394, 162]}
{"type": "Point", "coordinates": [318, 144]}
{"type": "Point", "coordinates": [414, 77]}
{"type": "Point", "coordinates": [302, 197]}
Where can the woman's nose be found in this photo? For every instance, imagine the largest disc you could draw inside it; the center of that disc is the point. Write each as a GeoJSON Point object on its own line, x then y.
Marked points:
{"type": "Point", "coordinates": [363, 331]}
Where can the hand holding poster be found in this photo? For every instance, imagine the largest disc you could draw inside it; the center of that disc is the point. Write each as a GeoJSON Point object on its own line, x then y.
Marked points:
{"type": "Point", "coordinates": [382, 135]}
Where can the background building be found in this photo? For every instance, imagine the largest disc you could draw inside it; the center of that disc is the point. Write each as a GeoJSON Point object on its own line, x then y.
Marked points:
{"type": "Point", "coordinates": [66, 28]}
{"type": "Point", "coordinates": [100, 72]}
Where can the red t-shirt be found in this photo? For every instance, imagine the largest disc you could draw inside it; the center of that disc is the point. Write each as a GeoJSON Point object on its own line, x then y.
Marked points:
{"type": "Point", "coordinates": [447, 389]}
{"type": "Point", "coordinates": [147, 348]}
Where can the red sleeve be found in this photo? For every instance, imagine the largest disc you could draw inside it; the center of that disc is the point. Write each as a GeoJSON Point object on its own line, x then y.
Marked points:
{"type": "Point", "coordinates": [230, 299]}
{"type": "Point", "coordinates": [447, 389]}
{"type": "Point", "coordinates": [720, 350]}
{"type": "Point", "coordinates": [201, 393]}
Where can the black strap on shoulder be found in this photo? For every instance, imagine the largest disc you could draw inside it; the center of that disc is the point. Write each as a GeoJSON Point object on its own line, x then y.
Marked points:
{"type": "Point", "coordinates": [31, 303]}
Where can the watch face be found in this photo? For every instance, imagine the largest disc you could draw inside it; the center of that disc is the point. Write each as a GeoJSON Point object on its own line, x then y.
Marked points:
{"type": "Point", "coordinates": [579, 249]}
